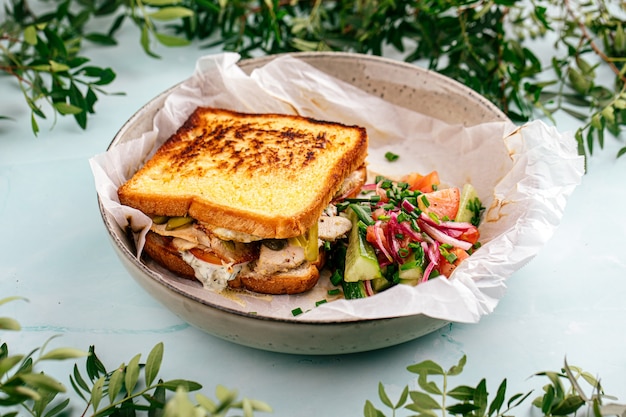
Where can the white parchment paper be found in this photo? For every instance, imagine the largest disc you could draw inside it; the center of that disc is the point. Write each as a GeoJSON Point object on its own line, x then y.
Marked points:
{"type": "Point", "coordinates": [523, 176]}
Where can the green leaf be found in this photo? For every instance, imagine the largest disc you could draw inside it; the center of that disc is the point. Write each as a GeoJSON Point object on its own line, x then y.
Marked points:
{"type": "Point", "coordinates": [578, 81]}
{"type": "Point", "coordinates": [63, 353]}
{"type": "Point", "coordinates": [260, 406]}
{"type": "Point", "coordinates": [424, 401]}
{"type": "Point", "coordinates": [458, 368]}
{"type": "Point", "coordinates": [171, 13]}
{"type": "Point", "coordinates": [609, 114]}
{"type": "Point", "coordinates": [206, 403]}
{"type": "Point", "coordinates": [462, 408]}
{"type": "Point", "coordinates": [43, 381]}
{"type": "Point", "coordinates": [25, 391]}
{"type": "Point", "coordinates": [168, 40]}
{"type": "Point", "coordinates": [116, 382]}
{"type": "Point", "coordinates": [132, 373]}
{"type": "Point", "coordinates": [497, 402]}
{"type": "Point", "coordinates": [58, 67]}
{"type": "Point", "coordinates": [145, 41]}
{"type": "Point", "coordinates": [173, 384]}
{"type": "Point", "coordinates": [403, 396]}
{"type": "Point", "coordinates": [577, 115]}
{"type": "Point", "coordinates": [78, 382]}
{"type": "Point", "coordinates": [517, 399]}
{"type": "Point", "coordinates": [153, 363]}
{"type": "Point", "coordinates": [421, 412]}
{"type": "Point", "coordinates": [96, 393]}
{"type": "Point", "coordinates": [428, 386]}
{"type": "Point", "coordinates": [77, 100]}
{"type": "Point", "coordinates": [383, 395]}
{"type": "Point", "coordinates": [7, 363]}
{"type": "Point", "coordinates": [180, 405]}
{"type": "Point", "coordinates": [10, 299]}
{"type": "Point", "coordinates": [30, 35]}
{"type": "Point", "coordinates": [224, 394]}
{"type": "Point", "coordinates": [568, 406]}
{"type": "Point", "coordinates": [7, 323]}
{"type": "Point", "coordinates": [33, 123]}
{"type": "Point", "coordinates": [426, 367]}
{"type": "Point", "coordinates": [157, 401]}
{"type": "Point", "coordinates": [370, 411]}
{"type": "Point", "coordinates": [64, 108]}
{"type": "Point", "coordinates": [480, 397]}
{"type": "Point", "coordinates": [547, 399]}
{"type": "Point", "coordinates": [94, 366]}
{"type": "Point", "coordinates": [462, 393]}
{"type": "Point", "coordinates": [58, 408]}
{"type": "Point", "coordinates": [101, 39]}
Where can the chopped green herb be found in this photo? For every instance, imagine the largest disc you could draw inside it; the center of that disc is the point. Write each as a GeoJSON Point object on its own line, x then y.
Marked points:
{"type": "Point", "coordinates": [296, 311]}
{"type": "Point", "coordinates": [320, 302]}
{"type": "Point", "coordinates": [336, 277]}
{"type": "Point", "coordinates": [334, 291]}
{"type": "Point", "coordinates": [363, 213]}
{"type": "Point", "coordinates": [477, 208]}
{"type": "Point", "coordinates": [434, 217]}
{"type": "Point", "coordinates": [390, 156]}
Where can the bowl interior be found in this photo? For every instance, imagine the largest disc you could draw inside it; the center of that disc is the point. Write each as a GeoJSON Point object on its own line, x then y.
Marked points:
{"type": "Point", "coordinates": [396, 82]}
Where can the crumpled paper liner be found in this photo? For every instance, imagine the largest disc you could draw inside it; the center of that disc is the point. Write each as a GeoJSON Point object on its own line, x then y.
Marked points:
{"type": "Point", "coordinates": [523, 176]}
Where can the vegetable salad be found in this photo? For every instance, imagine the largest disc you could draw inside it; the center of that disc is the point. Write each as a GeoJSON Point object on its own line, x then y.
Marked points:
{"type": "Point", "coordinates": [405, 232]}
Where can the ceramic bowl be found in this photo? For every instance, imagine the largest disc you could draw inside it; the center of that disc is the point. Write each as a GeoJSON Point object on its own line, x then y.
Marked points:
{"type": "Point", "coordinates": [397, 82]}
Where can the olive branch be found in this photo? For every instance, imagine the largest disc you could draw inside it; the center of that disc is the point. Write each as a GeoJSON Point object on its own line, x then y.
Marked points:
{"type": "Point", "coordinates": [487, 45]}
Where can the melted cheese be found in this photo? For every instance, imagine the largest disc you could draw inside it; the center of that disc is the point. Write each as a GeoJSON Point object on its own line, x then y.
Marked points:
{"type": "Point", "coordinates": [227, 234]}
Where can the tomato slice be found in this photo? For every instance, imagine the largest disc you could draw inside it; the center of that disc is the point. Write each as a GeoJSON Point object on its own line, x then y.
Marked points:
{"type": "Point", "coordinates": [444, 203]}
{"type": "Point", "coordinates": [206, 256]}
{"type": "Point", "coordinates": [424, 183]}
{"type": "Point", "coordinates": [471, 235]}
{"type": "Point", "coordinates": [446, 268]}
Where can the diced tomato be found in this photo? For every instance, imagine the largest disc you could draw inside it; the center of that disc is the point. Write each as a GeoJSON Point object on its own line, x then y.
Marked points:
{"type": "Point", "coordinates": [444, 203]}
{"type": "Point", "coordinates": [446, 268]}
{"type": "Point", "coordinates": [471, 235]}
{"type": "Point", "coordinates": [370, 234]}
{"type": "Point", "coordinates": [380, 211]}
{"type": "Point", "coordinates": [371, 237]}
{"type": "Point", "coordinates": [423, 183]}
{"type": "Point", "coordinates": [206, 256]}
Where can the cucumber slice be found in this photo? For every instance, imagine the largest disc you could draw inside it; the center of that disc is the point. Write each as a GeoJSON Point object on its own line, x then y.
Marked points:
{"type": "Point", "coordinates": [411, 271]}
{"type": "Point", "coordinates": [353, 290]}
{"type": "Point", "coordinates": [468, 199]}
{"type": "Point", "coordinates": [380, 284]}
{"type": "Point", "coordinates": [361, 262]}
{"type": "Point", "coordinates": [417, 272]}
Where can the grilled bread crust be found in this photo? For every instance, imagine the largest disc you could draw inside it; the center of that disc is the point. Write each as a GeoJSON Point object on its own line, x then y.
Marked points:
{"type": "Point", "coordinates": [267, 175]}
{"type": "Point", "coordinates": [295, 281]}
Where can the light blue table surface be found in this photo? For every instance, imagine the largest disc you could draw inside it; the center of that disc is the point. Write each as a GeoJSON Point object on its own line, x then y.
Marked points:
{"type": "Point", "coordinates": [567, 302]}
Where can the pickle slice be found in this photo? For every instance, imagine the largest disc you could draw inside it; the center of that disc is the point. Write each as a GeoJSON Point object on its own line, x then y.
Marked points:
{"type": "Point", "coordinates": [160, 219]}
{"type": "Point", "coordinates": [178, 222]}
{"type": "Point", "coordinates": [308, 241]}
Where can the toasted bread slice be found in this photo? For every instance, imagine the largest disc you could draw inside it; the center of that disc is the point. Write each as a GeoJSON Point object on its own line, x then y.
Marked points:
{"type": "Point", "coordinates": [267, 175]}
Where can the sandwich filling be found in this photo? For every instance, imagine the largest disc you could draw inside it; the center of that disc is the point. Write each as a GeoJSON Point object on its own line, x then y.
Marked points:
{"type": "Point", "coordinates": [218, 255]}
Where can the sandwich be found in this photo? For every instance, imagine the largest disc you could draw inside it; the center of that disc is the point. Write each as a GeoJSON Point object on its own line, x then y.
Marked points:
{"type": "Point", "coordinates": [247, 201]}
